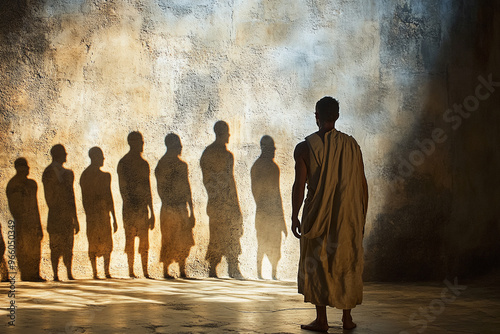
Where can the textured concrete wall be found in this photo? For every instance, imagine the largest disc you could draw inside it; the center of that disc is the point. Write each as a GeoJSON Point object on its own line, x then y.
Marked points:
{"type": "Point", "coordinates": [87, 73]}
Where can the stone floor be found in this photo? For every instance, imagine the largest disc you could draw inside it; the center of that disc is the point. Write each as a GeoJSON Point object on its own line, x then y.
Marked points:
{"type": "Point", "coordinates": [234, 306]}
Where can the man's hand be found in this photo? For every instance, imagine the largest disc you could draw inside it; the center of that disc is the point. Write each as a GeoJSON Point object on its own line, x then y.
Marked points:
{"type": "Point", "coordinates": [296, 227]}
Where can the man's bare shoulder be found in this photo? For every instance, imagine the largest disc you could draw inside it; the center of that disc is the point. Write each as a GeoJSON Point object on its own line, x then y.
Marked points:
{"type": "Point", "coordinates": [301, 151]}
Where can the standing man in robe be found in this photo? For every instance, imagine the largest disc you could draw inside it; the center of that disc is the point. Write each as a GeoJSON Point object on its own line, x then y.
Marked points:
{"type": "Point", "coordinates": [333, 220]}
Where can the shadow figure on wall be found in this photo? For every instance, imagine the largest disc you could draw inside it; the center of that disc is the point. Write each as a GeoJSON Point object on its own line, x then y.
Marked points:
{"type": "Point", "coordinates": [223, 210]}
{"type": "Point", "coordinates": [62, 221]}
{"type": "Point", "coordinates": [269, 217]}
{"type": "Point", "coordinates": [23, 205]}
{"type": "Point", "coordinates": [99, 208]}
{"type": "Point", "coordinates": [135, 189]}
{"type": "Point", "coordinates": [4, 271]}
{"type": "Point", "coordinates": [177, 216]}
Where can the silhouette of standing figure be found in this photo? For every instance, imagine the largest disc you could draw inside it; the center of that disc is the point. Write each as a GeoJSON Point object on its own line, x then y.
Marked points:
{"type": "Point", "coordinates": [133, 177]}
{"type": "Point", "coordinates": [62, 222]}
{"type": "Point", "coordinates": [176, 217]}
{"type": "Point", "coordinates": [225, 220]}
{"type": "Point", "coordinates": [269, 217]}
{"type": "Point", "coordinates": [4, 271]}
{"type": "Point", "coordinates": [23, 204]}
{"type": "Point", "coordinates": [98, 205]}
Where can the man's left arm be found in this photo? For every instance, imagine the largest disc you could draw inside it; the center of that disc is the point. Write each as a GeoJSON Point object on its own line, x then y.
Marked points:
{"type": "Point", "coordinates": [300, 155]}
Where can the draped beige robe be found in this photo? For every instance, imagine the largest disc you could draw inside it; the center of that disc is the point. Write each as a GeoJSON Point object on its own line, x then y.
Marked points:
{"type": "Point", "coordinates": [334, 214]}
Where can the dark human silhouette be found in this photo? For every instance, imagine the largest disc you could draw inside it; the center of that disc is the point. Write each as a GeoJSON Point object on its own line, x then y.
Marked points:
{"type": "Point", "coordinates": [331, 230]}
{"type": "Point", "coordinates": [135, 188]}
{"type": "Point", "coordinates": [176, 217]}
{"type": "Point", "coordinates": [62, 221]}
{"type": "Point", "coordinates": [23, 205]}
{"type": "Point", "coordinates": [99, 208]}
{"type": "Point", "coordinates": [225, 219]}
{"type": "Point", "coordinates": [269, 217]}
{"type": "Point", "coordinates": [4, 272]}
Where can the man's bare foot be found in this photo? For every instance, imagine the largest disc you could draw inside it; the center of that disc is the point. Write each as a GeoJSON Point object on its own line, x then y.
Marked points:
{"type": "Point", "coordinates": [316, 326]}
{"type": "Point", "coordinates": [347, 323]}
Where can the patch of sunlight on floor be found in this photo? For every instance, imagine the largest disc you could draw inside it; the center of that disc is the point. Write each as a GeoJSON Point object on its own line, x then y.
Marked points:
{"type": "Point", "coordinates": [77, 294]}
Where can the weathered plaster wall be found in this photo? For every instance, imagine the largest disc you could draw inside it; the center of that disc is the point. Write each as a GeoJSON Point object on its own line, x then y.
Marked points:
{"type": "Point", "coordinates": [87, 73]}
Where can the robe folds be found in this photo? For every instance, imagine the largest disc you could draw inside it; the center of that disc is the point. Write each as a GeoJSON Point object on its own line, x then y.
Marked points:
{"type": "Point", "coordinates": [334, 214]}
